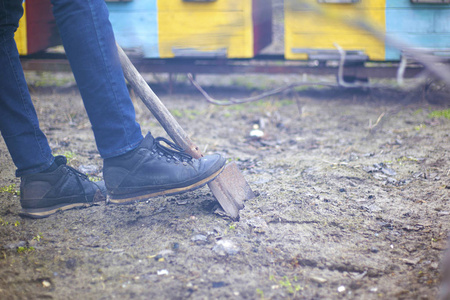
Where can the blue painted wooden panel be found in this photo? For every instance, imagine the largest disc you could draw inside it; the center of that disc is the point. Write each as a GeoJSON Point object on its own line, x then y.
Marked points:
{"type": "Point", "coordinates": [442, 20]}
{"type": "Point", "coordinates": [135, 25]}
{"type": "Point", "coordinates": [418, 25]}
{"type": "Point", "coordinates": [418, 20]}
{"type": "Point", "coordinates": [403, 20]}
{"type": "Point", "coordinates": [431, 41]}
{"type": "Point", "coordinates": [408, 4]}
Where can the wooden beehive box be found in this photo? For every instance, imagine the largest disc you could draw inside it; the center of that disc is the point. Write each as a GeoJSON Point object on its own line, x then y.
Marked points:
{"type": "Point", "coordinates": [309, 35]}
{"type": "Point", "coordinates": [419, 23]}
{"type": "Point", "coordinates": [37, 28]}
{"type": "Point", "coordinates": [202, 28]}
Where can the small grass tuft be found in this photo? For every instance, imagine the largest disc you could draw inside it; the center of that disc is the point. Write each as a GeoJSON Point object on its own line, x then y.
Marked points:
{"type": "Point", "coordinates": [260, 293]}
{"type": "Point", "coordinates": [38, 237]}
{"type": "Point", "coordinates": [69, 155]}
{"type": "Point", "coordinates": [94, 178]}
{"type": "Point", "coordinates": [25, 249]}
{"type": "Point", "coordinates": [10, 189]}
{"type": "Point", "coordinates": [440, 114]}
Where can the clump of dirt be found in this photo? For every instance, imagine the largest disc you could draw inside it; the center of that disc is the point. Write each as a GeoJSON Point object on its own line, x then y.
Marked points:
{"type": "Point", "coordinates": [352, 203]}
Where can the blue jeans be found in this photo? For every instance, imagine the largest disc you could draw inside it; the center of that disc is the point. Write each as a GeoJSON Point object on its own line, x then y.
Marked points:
{"type": "Point", "coordinates": [89, 43]}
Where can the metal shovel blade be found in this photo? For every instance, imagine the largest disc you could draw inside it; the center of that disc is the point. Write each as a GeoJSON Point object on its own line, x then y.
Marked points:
{"type": "Point", "coordinates": [230, 188]}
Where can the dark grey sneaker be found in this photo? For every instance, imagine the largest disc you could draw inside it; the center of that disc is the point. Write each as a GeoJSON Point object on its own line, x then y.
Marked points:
{"type": "Point", "coordinates": [43, 194]}
{"type": "Point", "coordinates": [153, 170]}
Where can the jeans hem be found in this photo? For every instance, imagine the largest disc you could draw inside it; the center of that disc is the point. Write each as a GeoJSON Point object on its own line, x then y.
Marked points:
{"type": "Point", "coordinates": [37, 169]}
{"type": "Point", "coordinates": [122, 150]}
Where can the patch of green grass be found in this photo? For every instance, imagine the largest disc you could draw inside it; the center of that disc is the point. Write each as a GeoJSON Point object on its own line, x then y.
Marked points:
{"type": "Point", "coordinates": [291, 285]}
{"type": "Point", "coordinates": [25, 249]}
{"type": "Point", "coordinates": [420, 127]}
{"type": "Point", "coordinates": [49, 79]}
{"type": "Point", "coordinates": [6, 223]}
{"type": "Point", "coordinates": [258, 105]}
{"type": "Point", "coordinates": [191, 114]}
{"type": "Point", "coordinates": [284, 102]}
{"type": "Point", "coordinates": [419, 111]}
{"type": "Point", "coordinates": [407, 158]}
{"type": "Point", "coordinates": [94, 178]}
{"type": "Point", "coordinates": [260, 293]}
{"type": "Point", "coordinates": [10, 189]}
{"type": "Point", "coordinates": [69, 155]}
{"type": "Point", "coordinates": [38, 237]}
{"type": "Point", "coordinates": [176, 113]}
{"type": "Point", "coordinates": [248, 83]}
{"type": "Point", "coordinates": [440, 114]}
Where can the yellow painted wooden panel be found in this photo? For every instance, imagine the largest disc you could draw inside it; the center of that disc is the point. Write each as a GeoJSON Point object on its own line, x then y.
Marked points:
{"type": "Point", "coordinates": [296, 5]}
{"type": "Point", "coordinates": [347, 42]}
{"type": "Point", "coordinates": [307, 29]}
{"type": "Point", "coordinates": [218, 5]}
{"type": "Point", "coordinates": [311, 23]}
{"type": "Point", "coordinates": [21, 34]}
{"type": "Point", "coordinates": [183, 25]}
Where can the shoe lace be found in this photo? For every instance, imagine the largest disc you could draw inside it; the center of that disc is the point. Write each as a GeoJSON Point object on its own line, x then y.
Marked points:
{"type": "Point", "coordinates": [79, 177]}
{"type": "Point", "coordinates": [82, 176]}
{"type": "Point", "coordinates": [177, 153]}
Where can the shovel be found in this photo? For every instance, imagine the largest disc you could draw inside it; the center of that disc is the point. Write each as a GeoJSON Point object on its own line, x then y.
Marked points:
{"type": "Point", "coordinates": [230, 188]}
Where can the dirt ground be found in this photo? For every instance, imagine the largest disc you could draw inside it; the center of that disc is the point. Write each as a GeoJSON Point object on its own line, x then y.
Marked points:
{"type": "Point", "coordinates": [352, 201]}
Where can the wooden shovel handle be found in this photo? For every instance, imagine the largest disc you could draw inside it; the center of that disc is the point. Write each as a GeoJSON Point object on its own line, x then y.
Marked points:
{"type": "Point", "coordinates": [155, 105]}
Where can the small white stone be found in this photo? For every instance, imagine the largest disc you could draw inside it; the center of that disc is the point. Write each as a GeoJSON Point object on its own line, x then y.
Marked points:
{"type": "Point", "coordinates": [162, 272]}
{"type": "Point", "coordinates": [341, 289]}
{"type": "Point", "coordinates": [256, 133]}
{"type": "Point", "coordinates": [225, 247]}
{"type": "Point", "coordinates": [46, 283]}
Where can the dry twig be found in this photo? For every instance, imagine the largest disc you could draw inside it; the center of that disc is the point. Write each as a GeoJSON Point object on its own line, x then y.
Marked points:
{"type": "Point", "coordinates": [232, 101]}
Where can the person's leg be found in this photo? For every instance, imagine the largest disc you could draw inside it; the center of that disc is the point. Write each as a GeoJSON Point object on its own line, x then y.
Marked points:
{"type": "Point", "coordinates": [19, 125]}
{"type": "Point", "coordinates": [90, 46]}
{"type": "Point", "coordinates": [134, 169]}
{"type": "Point", "coordinates": [47, 183]}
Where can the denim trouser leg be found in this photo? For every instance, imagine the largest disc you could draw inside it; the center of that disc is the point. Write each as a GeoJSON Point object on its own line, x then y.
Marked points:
{"type": "Point", "coordinates": [90, 47]}
{"type": "Point", "coordinates": [19, 125]}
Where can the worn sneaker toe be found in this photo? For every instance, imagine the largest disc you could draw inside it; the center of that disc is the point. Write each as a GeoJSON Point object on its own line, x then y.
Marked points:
{"type": "Point", "coordinates": [154, 170]}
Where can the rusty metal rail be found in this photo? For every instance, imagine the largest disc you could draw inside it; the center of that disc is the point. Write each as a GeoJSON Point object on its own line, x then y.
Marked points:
{"type": "Point", "coordinates": [268, 64]}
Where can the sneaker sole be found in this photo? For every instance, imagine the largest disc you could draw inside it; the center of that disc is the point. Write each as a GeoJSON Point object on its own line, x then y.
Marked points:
{"type": "Point", "coordinates": [175, 191]}
{"type": "Point", "coordinates": [40, 213]}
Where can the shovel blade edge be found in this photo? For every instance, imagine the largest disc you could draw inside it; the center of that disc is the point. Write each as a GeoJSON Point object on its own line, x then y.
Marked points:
{"type": "Point", "coordinates": [231, 189]}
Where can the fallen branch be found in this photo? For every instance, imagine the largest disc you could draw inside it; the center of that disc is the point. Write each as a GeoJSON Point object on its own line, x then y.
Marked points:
{"type": "Point", "coordinates": [233, 101]}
